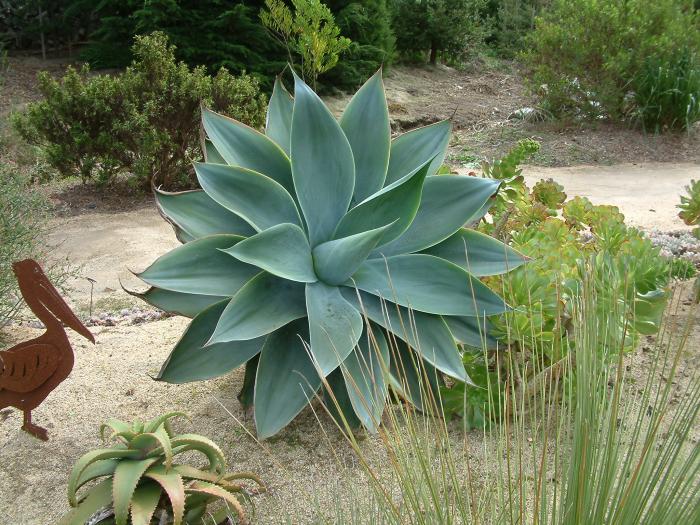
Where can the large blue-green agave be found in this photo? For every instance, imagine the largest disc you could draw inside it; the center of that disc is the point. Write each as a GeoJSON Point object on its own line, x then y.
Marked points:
{"type": "Point", "coordinates": [306, 240]}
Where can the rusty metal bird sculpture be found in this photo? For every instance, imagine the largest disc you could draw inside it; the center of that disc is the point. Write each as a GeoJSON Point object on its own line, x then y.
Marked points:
{"type": "Point", "coordinates": [31, 370]}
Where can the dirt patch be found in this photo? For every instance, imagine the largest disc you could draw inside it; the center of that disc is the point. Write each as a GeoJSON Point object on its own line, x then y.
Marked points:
{"type": "Point", "coordinates": [18, 84]}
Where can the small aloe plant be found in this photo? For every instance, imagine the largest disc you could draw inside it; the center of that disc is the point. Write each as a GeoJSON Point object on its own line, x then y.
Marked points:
{"type": "Point", "coordinates": [139, 483]}
{"type": "Point", "coordinates": [312, 239]}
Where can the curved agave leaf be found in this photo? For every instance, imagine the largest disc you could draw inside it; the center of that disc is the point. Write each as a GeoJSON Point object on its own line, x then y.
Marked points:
{"type": "Point", "coordinates": [286, 379]}
{"type": "Point", "coordinates": [258, 199]}
{"type": "Point", "coordinates": [425, 333]}
{"type": "Point", "coordinates": [323, 168]}
{"type": "Point", "coordinates": [278, 123]}
{"type": "Point", "coordinates": [415, 148]}
{"type": "Point", "coordinates": [263, 305]}
{"type": "Point", "coordinates": [337, 400]}
{"type": "Point", "coordinates": [171, 482]}
{"type": "Point", "coordinates": [335, 261]}
{"type": "Point", "coordinates": [450, 290]}
{"type": "Point", "coordinates": [282, 250]}
{"type": "Point", "coordinates": [209, 270]}
{"type": "Point", "coordinates": [365, 123]}
{"type": "Point", "coordinates": [198, 215]}
{"type": "Point", "coordinates": [190, 361]}
{"type": "Point", "coordinates": [126, 476]}
{"type": "Point", "coordinates": [335, 326]}
{"type": "Point", "coordinates": [99, 497]}
{"type": "Point", "coordinates": [211, 154]}
{"type": "Point", "coordinates": [185, 304]}
{"type": "Point", "coordinates": [447, 204]}
{"type": "Point", "coordinates": [144, 503]}
{"type": "Point", "coordinates": [414, 379]}
{"type": "Point", "coordinates": [247, 148]}
{"type": "Point", "coordinates": [478, 253]}
{"type": "Point", "coordinates": [396, 204]}
{"type": "Point", "coordinates": [471, 331]}
{"type": "Point", "coordinates": [363, 372]}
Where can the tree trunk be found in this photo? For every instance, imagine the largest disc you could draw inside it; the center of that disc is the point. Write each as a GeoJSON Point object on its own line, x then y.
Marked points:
{"type": "Point", "coordinates": [433, 53]}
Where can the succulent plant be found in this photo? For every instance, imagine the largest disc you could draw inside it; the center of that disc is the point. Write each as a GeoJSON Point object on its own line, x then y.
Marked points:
{"type": "Point", "coordinates": [138, 482]}
{"type": "Point", "coordinates": [307, 240]}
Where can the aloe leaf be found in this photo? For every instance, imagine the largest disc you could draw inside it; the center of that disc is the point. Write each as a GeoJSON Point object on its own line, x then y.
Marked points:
{"type": "Point", "coordinates": [416, 147]}
{"type": "Point", "coordinates": [286, 378]}
{"type": "Point", "coordinates": [337, 400]}
{"type": "Point", "coordinates": [209, 270]}
{"type": "Point", "coordinates": [413, 379]}
{"type": "Point", "coordinates": [126, 477]}
{"type": "Point", "coordinates": [247, 148]}
{"type": "Point", "coordinates": [425, 333]}
{"type": "Point", "coordinates": [99, 497]}
{"type": "Point", "coordinates": [211, 154]}
{"type": "Point", "coordinates": [190, 472]}
{"type": "Point", "coordinates": [363, 371]}
{"type": "Point", "coordinates": [144, 503]}
{"type": "Point", "coordinates": [217, 462]}
{"type": "Point", "coordinates": [185, 304]}
{"type": "Point", "coordinates": [190, 361]}
{"type": "Point", "coordinates": [89, 458]}
{"type": "Point", "coordinates": [256, 198]}
{"type": "Point", "coordinates": [427, 284]}
{"type": "Point", "coordinates": [447, 204]}
{"type": "Point", "coordinates": [116, 425]}
{"type": "Point", "coordinates": [171, 482]}
{"type": "Point", "coordinates": [323, 168]}
{"type": "Point", "coordinates": [396, 204]}
{"type": "Point", "coordinates": [282, 250]}
{"type": "Point", "coordinates": [96, 470]}
{"type": "Point", "coordinates": [335, 325]}
{"type": "Point", "coordinates": [220, 493]}
{"type": "Point", "coordinates": [145, 442]}
{"type": "Point", "coordinates": [471, 331]}
{"type": "Point", "coordinates": [262, 306]}
{"type": "Point", "coordinates": [365, 123]}
{"type": "Point", "coordinates": [198, 215]}
{"type": "Point", "coordinates": [163, 420]}
{"type": "Point", "coordinates": [478, 253]}
{"type": "Point", "coordinates": [338, 259]}
{"type": "Point", "coordinates": [278, 123]}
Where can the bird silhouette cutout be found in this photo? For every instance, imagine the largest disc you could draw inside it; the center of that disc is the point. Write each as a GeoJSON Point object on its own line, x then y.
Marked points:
{"type": "Point", "coordinates": [31, 370]}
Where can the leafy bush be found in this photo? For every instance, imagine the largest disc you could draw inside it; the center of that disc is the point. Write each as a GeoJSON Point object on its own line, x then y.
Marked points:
{"type": "Point", "coordinates": [142, 123]}
{"type": "Point", "coordinates": [690, 214]}
{"type": "Point", "coordinates": [453, 28]}
{"type": "Point", "coordinates": [379, 233]}
{"type": "Point", "coordinates": [640, 62]}
{"type": "Point", "coordinates": [138, 481]}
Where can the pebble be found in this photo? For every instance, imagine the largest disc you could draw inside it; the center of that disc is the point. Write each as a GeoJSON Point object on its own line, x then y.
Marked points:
{"type": "Point", "coordinates": [677, 244]}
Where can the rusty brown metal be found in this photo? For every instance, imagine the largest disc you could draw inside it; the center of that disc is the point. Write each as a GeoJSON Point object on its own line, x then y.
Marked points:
{"type": "Point", "coordinates": [31, 370]}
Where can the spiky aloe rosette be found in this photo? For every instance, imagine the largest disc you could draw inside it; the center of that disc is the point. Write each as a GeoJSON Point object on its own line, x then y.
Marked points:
{"type": "Point", "coordinates": [302, 233]}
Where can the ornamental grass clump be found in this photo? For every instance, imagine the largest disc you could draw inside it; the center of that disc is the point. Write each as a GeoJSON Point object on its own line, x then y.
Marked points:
{"type": "Point", "coordinates": [308, 244]}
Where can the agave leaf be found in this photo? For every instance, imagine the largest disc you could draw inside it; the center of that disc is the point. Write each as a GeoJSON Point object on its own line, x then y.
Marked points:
{"type": "Point", "coordinates": [278, 124]}
{"type": "Point", "coordinates": [336, 399]}
{"type": "Point", "coordinates": [413, 379]}
{"type": "Point", "coordinates": [185, 304]}
{"type": "Point", "coordinates": [282, 250]}
{"type": "Point", "coordinates": [363, 371]}
{"type": "Point", "coordinates": [323, 168]}
{"type": "Point", "coordinates": [126, 477]}
{"type": "Point", "coordinates": [415, 148]}
{"type": "Point", "coordinates": [190, 361]}
{"type": "Point", "coordinates": [89, 458]}
{"type": "Point", "coordinates": [220, 493]}
{"type": "Point", "coordinates": [427, 284]}
{"type": "Point", "coordinates": [209, 271]}
{"type": "Point", "coordinates": [447, 204]}
{"type": "Point", "coordinates": [99, 497]}
{"type": "Point", "coordinates": [247, 148]}
{"type": "Point", "coordinates": [338, 259]}
{"type": "Point", "coordinates": [171, 482]}
{"type": "Point", "coordinates": [217, 462]}
{"type": "Point", "coordinates": [471, 331]}
{"type": "Point", "coordinates": [199, 215]}
{"type": "Point", "coordinates": [335, 325]}
{"type": "Point", "coordinates": [396, 204]}
{"type": "Point", "coordinates": [144, 503]}
{"type": "Point", "coordinates": [246, 396]}
{"type": "Point", "coordinates": [427, 334]}
{"type": "Point", "coordinates": [365, 123]}
{"type": "Point", "coordinates": [255, 197]}
{"type": "Point", "coordinates": [262, 306]}
{"type": "Point", "coordinates": [286, 378]}
{"type": "Point", "coordinates": [211, 154]}
{"type": "Point", "coordinates": [478, 253]}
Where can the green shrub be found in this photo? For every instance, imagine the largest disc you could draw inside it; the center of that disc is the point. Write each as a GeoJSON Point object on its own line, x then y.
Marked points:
{"type": "Point", "coordinates": [622, 59]}
{"type": "Point", "coordinates": [142, 123]}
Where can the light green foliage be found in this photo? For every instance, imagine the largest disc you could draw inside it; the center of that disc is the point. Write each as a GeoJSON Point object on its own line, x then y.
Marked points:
{"type": "Point", "coordinates": [690, 214]}
{"type": "Point", "coordinates": [349, 229]}
{"type": "Point", "coordinates": [142, 123]}
{"type": "Point", "coordinates": [640, 63]}
{"type": "Point", "coordinates": [139, 479]}
{"type": "Point", "coordinates": [309, 32]}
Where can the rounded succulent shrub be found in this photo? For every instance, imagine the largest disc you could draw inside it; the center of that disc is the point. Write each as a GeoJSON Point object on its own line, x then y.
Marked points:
{"type": "Point", "coordinates": [312, 239]}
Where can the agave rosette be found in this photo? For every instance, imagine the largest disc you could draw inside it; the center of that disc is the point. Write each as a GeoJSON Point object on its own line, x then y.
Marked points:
{"type": "Point", "coordinates": [305, 240]}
